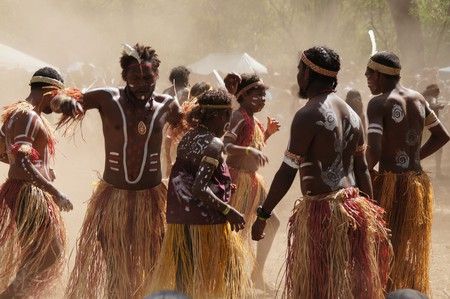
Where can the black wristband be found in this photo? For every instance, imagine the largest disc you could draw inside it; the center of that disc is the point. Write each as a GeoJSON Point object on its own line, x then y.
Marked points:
{"type": "Point", "coordinates": [263, 214]}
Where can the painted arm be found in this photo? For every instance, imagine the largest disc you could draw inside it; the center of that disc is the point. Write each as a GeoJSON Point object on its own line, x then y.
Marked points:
{"type": "Point", "coordinates": [302, 133]}
{"type": "Point", "coordinates": [374, 132]}
{"type": "Point", "coordinates": [202, 191]}
{"type": "Point", "coordinates": [439, 134]}
{"type": "Point", "coordinates": [237, 126]}
{"type": "Point", "coordinates": [361, 169]}
{"type": "Point", "coordinates": [23, 155]}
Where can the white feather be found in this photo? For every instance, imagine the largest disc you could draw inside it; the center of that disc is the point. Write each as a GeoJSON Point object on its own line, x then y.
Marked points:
{"type": "Point", "coordinates": [373, 42]}
{"type": "Point", "coordinates": [129, 50]}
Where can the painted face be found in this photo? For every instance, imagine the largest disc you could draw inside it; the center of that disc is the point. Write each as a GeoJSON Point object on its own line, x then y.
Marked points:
{"type": "Point", "coordinates": [372, 81]}
{"type": "Point", "coordinates": [302, 81]}
{"type": "Point", "coordinates": [141, 79]}
{"type": "Point", "coordinates": [255, 99]}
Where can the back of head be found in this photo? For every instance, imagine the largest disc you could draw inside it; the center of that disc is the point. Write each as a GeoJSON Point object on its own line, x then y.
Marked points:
{"type": "Point", "coordinates": [198, 88]}
{"type": "Point", "coordinates": [210, 104]}
{"type": "Point", "coordinates": [179, 75]}
{"type": "Point", "coordinates": [406, 294]}
{"type": "Point", "coordinates": [325, 58]}
{"type": "Point", "coordinates": [390, 60]}
{"type": "Point", "coordinates": [46, 76]}
{"type": "Point", "coordinates": [145, 54]}
{"type": "Point", "coordinates": [431, 90]}
{"type": "Point", "coordinates": [354, 100]}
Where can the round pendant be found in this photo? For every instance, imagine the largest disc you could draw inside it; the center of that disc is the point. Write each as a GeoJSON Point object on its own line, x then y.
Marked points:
{"type": "Point", "coordinates": [142, 128]}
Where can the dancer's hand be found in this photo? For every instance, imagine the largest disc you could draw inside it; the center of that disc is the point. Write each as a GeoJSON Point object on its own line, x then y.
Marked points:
{"type": "Point", "coordinates": [63, 202]}
{"type": "Point", "coordinates": [273, 126]}
{"type": "Point", "coordinates": [258, 229]}
{"type": "Point", "coordinates": [235, 219]}
{"type": "Point", "coordinates": [260, 158]}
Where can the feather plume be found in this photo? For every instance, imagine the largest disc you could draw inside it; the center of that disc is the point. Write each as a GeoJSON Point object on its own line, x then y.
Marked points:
{"type": "Point", "coordinates": [129, 50]}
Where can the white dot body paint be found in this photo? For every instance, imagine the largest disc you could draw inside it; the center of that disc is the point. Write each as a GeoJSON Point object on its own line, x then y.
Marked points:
{"type": "Point", "coordinates": [131, 85]}
{"type": "Point", "coordinates": [142, 97]}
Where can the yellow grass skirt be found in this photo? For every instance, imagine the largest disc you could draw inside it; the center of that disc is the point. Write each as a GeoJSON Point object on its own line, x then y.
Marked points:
{"type": "Point", "coordinates": [119, 243]}
{"type": "Point", "coordinates": [249, 194]}
{"type": "Point", "coordinates": [338, 247]}
{"type": "Point", "coordinates": [408, 201]}
{"type": "Point", "coordinates": [203, 261]}
{"type": "Point", "coordinates": [31, 231]}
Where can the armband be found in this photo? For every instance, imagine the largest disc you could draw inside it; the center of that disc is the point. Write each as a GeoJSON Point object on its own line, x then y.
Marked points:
{"type": "Point", "coordinates": [292, 160]}
{"type": "Point", "coordinates": [431, 120]}
{"type": "Point", "coordinates": [375, 128]}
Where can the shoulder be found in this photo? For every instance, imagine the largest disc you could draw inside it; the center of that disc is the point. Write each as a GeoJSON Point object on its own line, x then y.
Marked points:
{"type": "Point", "coordinates": [214, 148]}
{"type": "Point", "coordinates": [105, 92]}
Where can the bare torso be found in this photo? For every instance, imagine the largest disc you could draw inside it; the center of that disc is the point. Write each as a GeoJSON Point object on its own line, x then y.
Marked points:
{"type": "Point", "coordinates": [403, 114]}
{"type": "Point", "coordinates": [132, 135]}
{"type": "Point", "coordinates": [328, 162]}
{"type": "Point", "coordinates": [28, 128]}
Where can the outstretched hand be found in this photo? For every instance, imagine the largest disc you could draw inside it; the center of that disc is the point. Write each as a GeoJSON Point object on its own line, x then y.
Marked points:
{"type": "Point", "coordinates": [273, 126]}
{"type": "Point", "coordinates": [63, 203]}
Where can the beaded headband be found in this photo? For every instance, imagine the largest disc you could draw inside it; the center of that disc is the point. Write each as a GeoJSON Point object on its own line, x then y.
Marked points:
{"type": "Point", "coordinates": [42, 79]}
{"type": "Point", "coordinates": [316, 68]}
{"type": "Point", "coordinates": [250, 86]}
{"type": "Point", "coordinates": [383, 68]}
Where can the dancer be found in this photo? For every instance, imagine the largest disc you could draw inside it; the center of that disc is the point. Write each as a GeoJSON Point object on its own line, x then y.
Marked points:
{"type": "Point", "coordinates": [397, 117]}
{"type": "Point", "coordinates": [338, 245]}
{"type": "Point", "coordinates": [32, 233]}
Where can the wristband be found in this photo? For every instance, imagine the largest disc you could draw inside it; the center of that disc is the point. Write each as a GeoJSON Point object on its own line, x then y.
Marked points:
{"type": "Point", "coordinates": [226, 211]}
{"type": "Point", "coordinates": [263, 214]}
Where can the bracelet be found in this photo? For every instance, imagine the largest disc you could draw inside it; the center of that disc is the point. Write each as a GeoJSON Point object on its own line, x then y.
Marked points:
{"type": "Point", "coordinates": [226, 211]}
{"type": "Point", "coordinates": [263, 214]}
{"type": "Point", "coordinates": [247, 150]}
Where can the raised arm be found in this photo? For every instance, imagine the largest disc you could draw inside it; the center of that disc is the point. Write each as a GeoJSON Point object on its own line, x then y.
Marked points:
{"type": "Point", "coordinates": [202, 191]}
{"type": "Point", "coordinates": [439, 134]}
{"type": "Point", "coordinates": [375, 112]}
{"type": "Point", "coordinates": [302, 133]}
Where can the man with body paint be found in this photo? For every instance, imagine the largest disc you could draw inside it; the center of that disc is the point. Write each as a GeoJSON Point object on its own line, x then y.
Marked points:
{"type": "Point", "coordinates": [124, 225]}
{"type": "Point", "coordinates": [32, 233]}
{"type": "Point", "coordinates": [338, 245]}
{"type": "Point", "coordinates": [397, 117]}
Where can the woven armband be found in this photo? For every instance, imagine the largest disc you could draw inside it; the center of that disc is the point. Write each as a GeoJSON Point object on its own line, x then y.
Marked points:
{"type": "Point", "coordinates": [292, 160]}
{"type": "Point", "coordinates": [431, 120]}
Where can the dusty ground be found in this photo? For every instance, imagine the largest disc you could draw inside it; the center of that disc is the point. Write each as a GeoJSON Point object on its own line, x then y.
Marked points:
{"type": "Point", "coordinates": [78, 164]}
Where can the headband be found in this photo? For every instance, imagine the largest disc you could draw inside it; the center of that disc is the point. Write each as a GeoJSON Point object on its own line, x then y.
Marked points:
{"type": "Point", "coordinates": [387, 70]}
{"type": "Point", "coordinates": [316, 68]}
{"type": "Point", "coordinates": [41, 79]}
{"type": "Point", "coordinates": [250, 86]}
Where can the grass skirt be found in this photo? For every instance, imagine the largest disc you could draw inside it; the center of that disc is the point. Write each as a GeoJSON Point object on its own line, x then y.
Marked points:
{"type": "Point", "coordinates": [32, 238]}
{"type": "Point", "coordinates": [119, 243]}
{"type": "Point", "coordinates": [249, 194]}
{"type": "Point", "coordinates": [338, 247]}
{"type": "Point", "coordinates": [408, 201]}
{"type": "Point", "coordinates": [203, 261]}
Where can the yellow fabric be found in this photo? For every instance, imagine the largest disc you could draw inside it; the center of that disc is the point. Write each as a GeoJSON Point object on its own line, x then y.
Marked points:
{"type": "Point", "coordinates": [202, 261]}
{"type": "Point", "coordinates": [408, 201]}
{"type": "Point", "coordinates": [119, 243]}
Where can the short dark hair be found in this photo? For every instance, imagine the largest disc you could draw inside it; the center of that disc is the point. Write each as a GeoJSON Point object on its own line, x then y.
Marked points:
{"type": "Point", "coordinates": [354, 100]}
{"type": "Point", "coordinates": [247, 79]}
{"type": "Point", "coordinates": [146, 53]}
{"type": "Point", "coordinates": [48, 72]}
{"type": "Point", "coordinates": [388, 59]}
{"type": "Point", "coordinates": [180, 75]}
{"type": "Point", "coordinates": [211, 97]}
{"type": "Point", "coordinates": [431, 90]}
{"type": "Point", "coordinates": [198, 88]}
{"type": "Point", "coordinates": [326, 58]}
